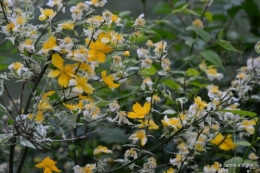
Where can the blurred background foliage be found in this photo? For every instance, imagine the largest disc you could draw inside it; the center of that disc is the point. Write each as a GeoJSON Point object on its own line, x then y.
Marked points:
{"type": "Point", "coordinates": [236, 21]}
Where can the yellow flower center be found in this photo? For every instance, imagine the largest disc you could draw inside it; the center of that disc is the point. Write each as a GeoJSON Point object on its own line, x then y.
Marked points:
{"type": "Point", "coordinates": [140, 134]}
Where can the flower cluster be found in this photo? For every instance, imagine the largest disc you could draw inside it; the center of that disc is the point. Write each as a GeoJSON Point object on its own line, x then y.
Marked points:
{"type": "Point", "coordinates": [85, 74]}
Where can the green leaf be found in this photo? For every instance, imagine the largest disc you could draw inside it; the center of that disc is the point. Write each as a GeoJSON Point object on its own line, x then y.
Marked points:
{"type": "Point", "coordinates": [5, 137]}
{"type": "Point", "coordinates": [192, 72]}
{"type": "Point", "coordinates": [148, 72]}
{"type": "Point", "coordinates": [184, 9]}
{"type": "Point", "coordinates": [209, 16]}
{"type": "Point", "coordinates": [3, 109]}
{"type": "Point", "coordinates": [220, 35]}
{"type": "Point", "coordinates": [226, 45]}
{"type": "Point", "coordinates": [231, 164]}
{"type": "Point", "coordinates": [103, 103]}
{"type": "Point", "coordinates": [240, 112]}
{"type": "Point", "coordinates": [212, 57]}
{"type": "Point", "coordinates": [203, 34]}
{"type": "Point", "coordinates": [172, 84]}
{"type": "Point", "coordinates": [243, 143]}
{"type": "Point", "coordinates": [124, 13]}
{"type": "Point", "coordinates": [26, 143]}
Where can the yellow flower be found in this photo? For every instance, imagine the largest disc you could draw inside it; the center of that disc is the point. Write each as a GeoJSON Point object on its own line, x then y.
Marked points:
{"type": "Point", "coordinates": [109, 80]}
{"type": "Point", "coordinates": [46, 13]}
{"type": "Point", "coordinates": [222, 142]}
{"type": "Point", "coordinates": [171, 170]}
{"type": "Point", "coordinates": [102, 149]}
{"type": "Point", "coordinates": [127, 53]}
{"type": "Point", "coordinates": [151, 124]}
{"type": "Point", "coordinates": [66, 25]}
{"type": "Point", "coordinates": [43, 106]}
{"type": "Point", "coordinates": [198, 23]}
{"type": "Point", "coordinates": [248, 125]}
{"type": "Point", "coordinates": [64, 72]}
{"type": "Point", "coordinates": [50, 44]}
{"type": "Point", "coordinates": [80, 84]}
{"type": "Point", "coordinates": [48, 165]}
{"type": "Point", "coordinates": [201, 104]}
{"type": "Point", "coordinates": [74, 106]}
{"type": "Point", "coordinates": [97, 51]}
{"type": "Point", "coordinates": [139, 111]}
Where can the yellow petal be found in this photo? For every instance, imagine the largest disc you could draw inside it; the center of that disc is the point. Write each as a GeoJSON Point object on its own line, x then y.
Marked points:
{"type": "Point", "coordinates": [63, 80]}
{"type": "Point", "coordinates": [88, 89]}
{"type": "Point", "coordinates": [57, 60]}
{"type": "Point", "coordinates": [40, 165]}
{"type": "Point", "coordinates": [39, 117]}
{"type": "Point", "coordinates": [54, 73]}
{"type": "Point", "coordinates": [132, 115]}
{"type": "Point", "coordinates": [54, 168]}
{"type": "Point", "coordinates": [47, 170]}
{"type": "Point", "coordinates": [137, 107]}
{"type": "Point", "coordinates": [101, 57]}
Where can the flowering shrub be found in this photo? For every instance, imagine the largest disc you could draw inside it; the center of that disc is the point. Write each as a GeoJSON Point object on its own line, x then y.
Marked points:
{"type": "Point", "coordinates": [96, 97]}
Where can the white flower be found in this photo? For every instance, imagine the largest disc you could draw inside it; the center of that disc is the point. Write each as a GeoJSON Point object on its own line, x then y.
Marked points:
{"type": "Point", "coordinates": [147, 82]}
{"type": "Point", "coordinates": [209, 169]}
{"type": "Point", "coordinates": [102, 149]}
{"type": "Point", "coordinates": [66, 44]}
{"type": "Point", "coordinates": [17, 69]}
{"type": "Point", "coordinates": [51, 3]}
{"type": "Point", "coordinates": [160, 48]}
{"type": "Point", "coordinates": [121, 118]}
{"type": "Point", "coordinates": [140, 21]}
{"type": "Point", "coordinates": [146, 63]}
{"type": "Point", "coordinates": [177, 161]}
{"type": "Point", "coordinates": [91, 111]}
{"type": "Point", "coordinates": [165, 63]}
{"type": "Point", "coordinates": [139, 135]}
{"type": "Point", "coordinates": [96, 3]}
{"type": "Point", "coordinates": [213, 74]}
{"type": "Point", "coordinates": [88, 167]}
{"type": "Point", "coordinates": [131, 153]}
{"type": "Point", "coordinates": [28, 45]}
{"type": "Point", "coordinates": [142, 53]}
{"type": "Point", "coordinates": [77, 11]}
{"type": "Point", "coordinates": [114, 106]}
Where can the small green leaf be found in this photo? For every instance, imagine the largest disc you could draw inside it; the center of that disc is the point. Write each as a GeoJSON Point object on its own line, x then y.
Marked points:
{"type": "Point", "coordinates": [124, 13]}
{"type": "Point", "coordinates": [4, 137]}
{"type": "Point", "coordinates": [26, 143]}
{"type": "Point", "coordinates": [192, 72]}
{"type": "Point", "coordinates": [203, 34]}
{"type": "Point", "coordinates": [226, 45]}
{"type": "Point", "coordinates": [240, 112]}
{"type": "Point", "coordinates": [3, 109]}
{"type": "Point", "coordinates": [148, 72]}
{"type": "Point", "coordinates": [184, 9]}
{"type": "Point", "coordinates": [172, 84]}
{"type": "Point", "coordinates": [103, 103]}
{"type": "Point", "coordinates": [212, 57]}
{"type": "Point", "coordinates": [231, 164]}
{"type": "Point", "coordinates": [243, 143]}
{"type": "Point", "coordinates": [209, 16]}
{"type": "Point", "coordinates": [220, 35]}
